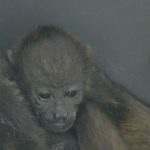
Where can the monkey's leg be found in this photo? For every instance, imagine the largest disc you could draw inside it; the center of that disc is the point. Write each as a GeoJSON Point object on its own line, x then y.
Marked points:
{"type": "Point", "coordinates": [96, 132]}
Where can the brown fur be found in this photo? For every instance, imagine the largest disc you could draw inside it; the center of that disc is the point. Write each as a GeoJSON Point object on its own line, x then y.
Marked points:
{"type": "Point", "coordinates": [109, 118]}
{"type": "Point", "coordinates": [17, 124]}
{"type": "Point", "coordinates": [136, 128]}
{"type": "Point", "coordinates": [19, 128]}
{"type": "Point", "coordinates": [96, 132]}
{"type": "Point", "coordinates": [130, 117]}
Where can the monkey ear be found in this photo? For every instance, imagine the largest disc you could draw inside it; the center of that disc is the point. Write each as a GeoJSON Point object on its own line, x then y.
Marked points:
{"type": "Point", "coordinates": [88, 51]}
{"type": "Point", "coordinates": [9, 56]}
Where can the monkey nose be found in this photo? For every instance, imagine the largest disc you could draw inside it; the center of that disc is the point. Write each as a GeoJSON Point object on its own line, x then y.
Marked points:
{"type": "Point", "coordinates": [60, 115]}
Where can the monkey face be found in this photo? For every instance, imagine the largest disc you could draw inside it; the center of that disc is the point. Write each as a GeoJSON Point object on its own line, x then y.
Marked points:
{"type": "Point", "coordinates": [53, 71]}
{"type": "Point", "coordinates": [56, 107]}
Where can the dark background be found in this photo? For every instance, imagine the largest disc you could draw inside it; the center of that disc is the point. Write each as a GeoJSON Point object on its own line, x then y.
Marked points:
{"type": "Point", "coordinates": [118, 30]}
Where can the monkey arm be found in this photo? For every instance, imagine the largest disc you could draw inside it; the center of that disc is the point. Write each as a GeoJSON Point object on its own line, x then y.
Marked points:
{"type": "Point", "coordinates": [130, 117]}
{"type": "Point", "coordinates": [95, 131]}
{"type": "Point", "coordinates": [136, 128]}
{"type": "Point", "coordinates": [106, 94]}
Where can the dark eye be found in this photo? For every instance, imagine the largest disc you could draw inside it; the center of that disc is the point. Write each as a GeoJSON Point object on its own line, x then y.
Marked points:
{"type": "Point", "coordinates": [44, 96]}
{"type": "Point", "coordinates": [71, 93]}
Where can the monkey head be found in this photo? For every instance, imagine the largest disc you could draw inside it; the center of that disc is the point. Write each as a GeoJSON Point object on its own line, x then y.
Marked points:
{"type": "Point", "coordinates": [51, 72]}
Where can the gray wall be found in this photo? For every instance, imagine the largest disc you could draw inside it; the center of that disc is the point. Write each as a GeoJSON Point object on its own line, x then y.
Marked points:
{"type": "Point", "coordinates": [118, 30]}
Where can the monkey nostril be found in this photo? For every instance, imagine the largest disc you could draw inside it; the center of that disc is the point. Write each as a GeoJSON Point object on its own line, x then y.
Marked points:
{"type": "Point", "coordinates": [54, 115]}
{"type": "Point", "coordinates": [60, 117]}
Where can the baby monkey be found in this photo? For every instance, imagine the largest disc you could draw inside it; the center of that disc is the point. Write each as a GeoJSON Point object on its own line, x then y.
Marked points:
{"type": "Point", "coordinates": [70, 104]}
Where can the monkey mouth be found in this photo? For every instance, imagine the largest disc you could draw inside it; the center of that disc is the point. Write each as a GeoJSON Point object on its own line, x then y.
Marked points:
{"type": "Point", "coordinates": [58, 126]}
{"type": "Point", "coordinates": [59, 123]}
